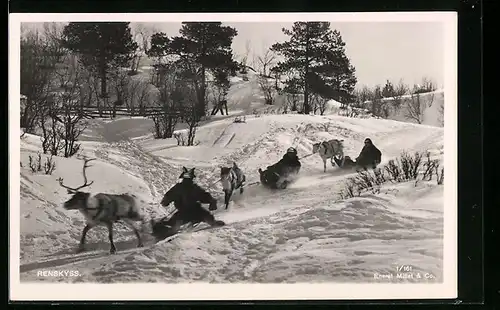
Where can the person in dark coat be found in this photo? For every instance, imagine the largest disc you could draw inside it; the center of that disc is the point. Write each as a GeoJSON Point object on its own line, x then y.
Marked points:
{"type": "Point", "coordinates": [281, 173]}
{"type": "Point", "coordinates": [370, 155]}
{"type": "Point", "coordinates": [187, 197]}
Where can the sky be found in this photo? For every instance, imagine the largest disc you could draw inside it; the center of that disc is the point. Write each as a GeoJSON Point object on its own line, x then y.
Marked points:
{"type": "Point", "coordinates": [379, 51]}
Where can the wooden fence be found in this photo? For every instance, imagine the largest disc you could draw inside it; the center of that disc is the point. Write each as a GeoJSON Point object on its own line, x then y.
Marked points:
{"type": "Point", "coordinates": [110, 112]}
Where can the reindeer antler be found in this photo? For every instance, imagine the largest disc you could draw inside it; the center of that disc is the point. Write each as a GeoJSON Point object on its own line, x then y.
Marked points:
{"type": "Point", "coordinates": [85, 184]}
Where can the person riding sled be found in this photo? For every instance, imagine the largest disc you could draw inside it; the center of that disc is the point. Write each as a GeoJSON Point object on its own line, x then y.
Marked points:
{"type": "Point", "coordinates": [347, 163]}
{"type": "Point", "coordinates": [283, 172]}
{"type": "Point", "coordinates": [187, 197]}
{"type": "Point", "coordinates": [369, 157]}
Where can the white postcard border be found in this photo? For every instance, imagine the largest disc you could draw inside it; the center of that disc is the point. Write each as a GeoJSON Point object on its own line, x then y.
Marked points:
{"type": "Point", "coordinates": [149, 291]}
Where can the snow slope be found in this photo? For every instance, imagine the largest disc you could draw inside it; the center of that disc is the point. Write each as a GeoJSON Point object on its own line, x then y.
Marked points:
{"type": "Point", "coordinates": [244, 98]}
{"type": "Point", "coordinates": [304, 233]}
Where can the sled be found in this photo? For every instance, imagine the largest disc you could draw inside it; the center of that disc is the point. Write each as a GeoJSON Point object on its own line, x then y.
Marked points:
{"type": "Point", "coordinates": [189, 228]}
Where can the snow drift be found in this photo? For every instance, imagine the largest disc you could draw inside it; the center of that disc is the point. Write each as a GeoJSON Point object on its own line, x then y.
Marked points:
{"type": "Point", "coordinates": [302, 234]}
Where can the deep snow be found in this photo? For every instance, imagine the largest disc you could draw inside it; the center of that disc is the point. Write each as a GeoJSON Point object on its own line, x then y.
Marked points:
{"type": "Point", "coordinates": [302, 234]}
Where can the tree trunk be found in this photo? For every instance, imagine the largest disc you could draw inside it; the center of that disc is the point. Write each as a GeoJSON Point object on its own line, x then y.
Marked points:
{"type": "Point", "coordinates": [200, 109]}
{"type": "Point", "coordinates": [169, 129]}
{"type": "Point", "coordinates": [306, 109]}
{"type": "Point", "coordinates": [25, 117]}
{"type": "Point", "coordinates": [104, 85]}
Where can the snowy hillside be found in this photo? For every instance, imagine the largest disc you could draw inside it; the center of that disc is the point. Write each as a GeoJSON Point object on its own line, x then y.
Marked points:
{"type": "Point", "coordinates": [303, 233]}
{"type": "Point", "coordinates": [246, 97]}
{"type": "Point", "coordinates": [432, 109]}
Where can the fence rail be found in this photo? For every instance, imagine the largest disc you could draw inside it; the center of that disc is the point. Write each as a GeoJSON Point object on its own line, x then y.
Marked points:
{"type": "Point", "coordinates": [108, 112]}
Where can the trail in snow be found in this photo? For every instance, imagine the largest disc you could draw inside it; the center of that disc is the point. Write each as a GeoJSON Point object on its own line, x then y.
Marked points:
{"type": "Point", "coordinates": [299, 234]}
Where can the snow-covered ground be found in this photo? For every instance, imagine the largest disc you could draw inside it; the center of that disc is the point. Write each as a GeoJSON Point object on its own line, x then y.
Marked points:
{"type": "Point", "coordinates": [302, 234]}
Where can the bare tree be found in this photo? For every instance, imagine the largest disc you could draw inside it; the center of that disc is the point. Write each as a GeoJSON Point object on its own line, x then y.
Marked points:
{"type": "Point", "coordinates": [51, 137]}
{"type": "Point", "coordinates": [39, 56]}
{"type": "Point", "coordinates": [362, 96]}
{"type": "Point", "coordinates": [61, 116]}
{"type": "Point", "coordinates": [266, 88]}
{"type": "Point", "coordinates": [219, 88]}
{"type": "Point", "coordinates": [313, 102]}
{"type": "Point", "coordinates": [427, 85]}
{"type": "Point", "coordinates": [141, 92]}
{"type": "Point", "coordinates": [277, 79]}
{"type": "Point", "coordinates": [121, 83]}
{"type": "Point", "coordinates": [322, 104]}
{"type": "Point", "coordinates": [283, 101]}
{"type": "Point", "coordinates": [292, 101]}
{"type": "Point", "coordinates": [265, 61]}
{"type": "Point", "coordinates": [190, 113]}
{"type": "Point", "coordinates": [168, 101]}
{"type": "Point", "coordinates": [68, 102]}
{"type": "Point", "coordinates": [399, 92]}
{"type": "Point", "coordinates": [379, 107]}
{"type": "Point", "coordinates": [244, 57]}
{"type": "Point", "coordinates": [142, 35]}
{"type": "Point", "coordinates": [415, 107]}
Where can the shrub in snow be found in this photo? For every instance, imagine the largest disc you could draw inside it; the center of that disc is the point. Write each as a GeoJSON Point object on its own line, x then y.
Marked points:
{"type": "Point", "coordinates": [403, 169]}
{"type": "Point", "coordinates": [256, 113]}
{"type": "Point", "coordinates": [37, 164]}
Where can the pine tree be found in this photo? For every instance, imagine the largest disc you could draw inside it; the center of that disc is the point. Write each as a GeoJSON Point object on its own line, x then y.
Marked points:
{"type": "Point", "coordinates": [202, 47]}
{"type": "Point", "coordinates": [315, 60]}
{"type": "Point", "coordinates": [101, 46]}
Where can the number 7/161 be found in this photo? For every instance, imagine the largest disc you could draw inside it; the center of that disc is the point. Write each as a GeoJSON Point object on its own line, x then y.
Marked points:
{"type": "Point", "coordinates": [404, 268]}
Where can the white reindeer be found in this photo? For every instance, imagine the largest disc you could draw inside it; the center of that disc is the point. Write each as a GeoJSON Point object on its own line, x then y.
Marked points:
{"type": "Point", "coordinates": [103, 209]}
{"type": "Point", "coordinates": [329, 149]}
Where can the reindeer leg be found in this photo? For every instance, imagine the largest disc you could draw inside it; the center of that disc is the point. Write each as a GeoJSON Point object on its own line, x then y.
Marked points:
{"type": "Point", "coordinates": [81, 246]}
{"type": "Point", "coordinates": [241, 188]}
{"type": "Point", "coordinates": [227, 196]}
{"type": "Point", "coordinates": [110, 236]}
{"type": "Point", "coordinates": [332, 161]}
{"type": "Point", "coordinates": [324, 165]}
{"type": "Point", "coordinates": [136, 232]}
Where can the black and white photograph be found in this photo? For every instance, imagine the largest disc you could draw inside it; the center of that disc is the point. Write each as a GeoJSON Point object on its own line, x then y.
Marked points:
{"type": "Point", "coordinates": [302, 151]}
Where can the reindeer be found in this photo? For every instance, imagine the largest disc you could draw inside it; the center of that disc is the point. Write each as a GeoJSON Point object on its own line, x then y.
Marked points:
{"type": "Point", "coordinates": [103, 209]}
{"type": "Point", "coordinates": [328, 150]}
{"type": "Point", "coordinates": [232, 178]}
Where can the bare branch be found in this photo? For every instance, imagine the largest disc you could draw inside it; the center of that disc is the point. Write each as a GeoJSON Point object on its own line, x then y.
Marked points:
{"type": "Point", "coordinates": [265, 62]}
{"type": "Point", "coordinates": [415, 108]}
{"type": "Point", "coordinates": [399, 92]}
{"type": "Point", "coordinates": [267, 89]}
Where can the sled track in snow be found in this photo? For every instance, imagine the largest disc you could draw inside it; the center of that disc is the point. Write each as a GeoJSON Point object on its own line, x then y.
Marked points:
{"type": "Point", "coordinates": [248, 248]}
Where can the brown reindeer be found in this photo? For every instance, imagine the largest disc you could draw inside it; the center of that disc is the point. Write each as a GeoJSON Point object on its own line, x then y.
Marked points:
{"type": "Point", "coordinates": [103, 209]}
